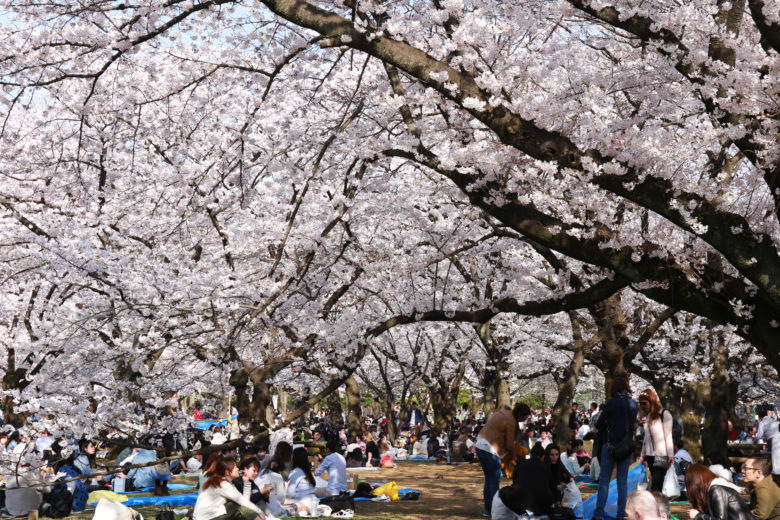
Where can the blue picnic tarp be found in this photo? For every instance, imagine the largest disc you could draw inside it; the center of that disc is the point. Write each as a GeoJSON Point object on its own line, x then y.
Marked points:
{"type": "Point", "coordinates": [636, 475]}
{"type": "Point", "coordinates": [170, 486]}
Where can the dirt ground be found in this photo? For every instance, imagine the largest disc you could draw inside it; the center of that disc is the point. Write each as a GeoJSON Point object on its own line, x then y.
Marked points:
{"type": "Point", "coordinates": [451, 492]}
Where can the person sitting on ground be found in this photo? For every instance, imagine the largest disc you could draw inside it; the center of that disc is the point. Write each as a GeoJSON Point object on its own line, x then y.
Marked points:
{"type": "Point", "coordinates": [372, 451]}
{"type": "Point", "coordinates": [271, 475]}
{"type": "Point", "coordinates": [559, 475]}
{"type": "Point", "coordinates": [764, 493]}
{"type": "Point", "coordinates": [220, 499]}
{"type": "Point", "coordinates": [460, 449]}
{"type": "Point", "coordinates": [65, 470]}
{"type": "Point", "coordinates": [245, 484]}
{"type": "Point", "coordinates": [712, 497]}
{"type": "Point", "coordinates": [85, 463]}
{"type": "Point", "coordinates": [720, 465]}
{"type": "Point", "coordinates": [418, 448]}
{"type": "Point", "coordinates": [352, 444]}
{"type": "Point", "coordinates": [336, 467]}
{"type": "Point", "coordinates": [432, 447]}
{"type": "Point", "coordinates": [282, 455]}
{"type": "Point", "coordinates": [570, 460]}
{"type": "Point", "coordinates": [583, 457]}
{"type": "Point", "coordinates": [20, 499]}
{"type": "Point", "coordinates": [354, 458]}
{"type": "Point", "coordinates": [682, 460]}
{"type": "Point", "coordinates": [194, 463]}
{"type": "Point", "coordinates": [532, 489]}
{"type": "Point", "coordinates": [664, 507]}
{"type": "Point", "coordinates": [301, 484]}
{"type": "Point", "coordinates": [642, 505]}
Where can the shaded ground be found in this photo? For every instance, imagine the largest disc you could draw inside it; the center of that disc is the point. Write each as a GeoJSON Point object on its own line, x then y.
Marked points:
{"type": "Point", "coordinates": [451, 492]}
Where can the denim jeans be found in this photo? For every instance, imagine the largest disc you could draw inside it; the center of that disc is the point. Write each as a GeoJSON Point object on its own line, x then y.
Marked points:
{"type": "Point", "coordinates": [491, 466]}
{"type": "Point", "coordinates": [607, 464]}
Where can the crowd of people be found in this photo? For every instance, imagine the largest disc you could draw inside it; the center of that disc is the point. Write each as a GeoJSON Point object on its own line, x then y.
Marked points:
{"type": "Point", "coordinates": [282, 478]}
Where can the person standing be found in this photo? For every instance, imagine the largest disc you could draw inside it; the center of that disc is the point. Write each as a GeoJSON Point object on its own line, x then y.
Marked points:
{"type": "Point", "coordinates": [496, 444]}
{"type": "Point", "coordinates": [616, 422]}
{"type": "Point", "coordinates": [657, 446]}
{"type": "Point", "coordinates": [415, 416]}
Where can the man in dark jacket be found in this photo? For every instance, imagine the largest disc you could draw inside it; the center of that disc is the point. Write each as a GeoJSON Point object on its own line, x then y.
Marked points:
{"type": "Point", "coordinates": [531, 489]}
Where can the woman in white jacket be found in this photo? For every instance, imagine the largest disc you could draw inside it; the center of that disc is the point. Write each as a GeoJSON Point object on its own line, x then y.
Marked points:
{"type": "Point", "coordinates": [657, 446]}
{"type": "Point", "coordinates": [220, 500]}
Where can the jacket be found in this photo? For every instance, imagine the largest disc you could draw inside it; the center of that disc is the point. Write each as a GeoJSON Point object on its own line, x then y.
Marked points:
{"type": "Point", "coordinates": [724, 504]}
{"type": "Point", "coordinates": [765, 499]}
{"type": "Point", "coordinates": [532, 488]}
{"type": "Point", "coordinates": [658, 436]}
{"type": "Point", "coordinates": [500, 431]}
{"type": "Point", "coordinates": [612, 421]}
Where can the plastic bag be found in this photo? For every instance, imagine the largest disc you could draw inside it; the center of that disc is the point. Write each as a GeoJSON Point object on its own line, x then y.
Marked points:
{"type": "Point", "coordinates": [671, 487]}
{"type": "Point", "coordinates": [390, 489]}
{"type": "Point", "coordinates": [573, 497]}
{"type": "Point", "coordinates": [595, 469]}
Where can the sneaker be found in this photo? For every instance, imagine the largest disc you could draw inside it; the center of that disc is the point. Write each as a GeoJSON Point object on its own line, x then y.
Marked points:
{"type": "Point", "coordinates": [486, 513]}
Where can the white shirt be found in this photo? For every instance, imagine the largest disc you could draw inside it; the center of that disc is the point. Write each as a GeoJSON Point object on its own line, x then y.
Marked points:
{"type": "Point", "coordinates": [193, 464]}
{"type": "Point", "coordinates": [336, 467]}
{"type": "Point", "coordinates": [583, 431]}
{"type": "Point", "coordinates": [211, 501]}
{"type": "Point", "coordinates": [276, 497]}
{"type": "Point", "coordinates": [298, 488]}
{"type": "Point", "coordinates": [683, 455]}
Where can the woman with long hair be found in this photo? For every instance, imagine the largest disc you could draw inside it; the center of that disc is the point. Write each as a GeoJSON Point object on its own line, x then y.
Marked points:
{"type": "Point", "coordinates": [283, 457]}
{"type": "Point", "coordinates": [300, 485]}
{"type": "Point", "coordinates": [559, 475]}
{"type": "Point", "coordinates": [657, 446]}
{"type": "Point", "coordinates": [713, 497]}
{"type": "Point", "coordinates": [615, 425]}
{"type": "Point", "coordinates": [219, 498]}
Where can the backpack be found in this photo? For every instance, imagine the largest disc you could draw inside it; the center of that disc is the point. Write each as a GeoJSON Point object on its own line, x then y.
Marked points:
{"type": "Point", "coordinates": [677, 431]}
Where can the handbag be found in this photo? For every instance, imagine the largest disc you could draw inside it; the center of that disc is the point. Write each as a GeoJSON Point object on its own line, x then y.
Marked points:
{"type": "Point", "coordinates": [626, 446]}
{"type": "Point", "coordinates": [165, 513]}
{"type": "Point", "coordinates": [658, 461]}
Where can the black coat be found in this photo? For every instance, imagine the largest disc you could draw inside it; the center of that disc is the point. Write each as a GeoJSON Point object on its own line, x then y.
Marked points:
{"type": "Point", "coordinates": [531, 489]}
{"type": "Point", "coordinates": [725, 504]}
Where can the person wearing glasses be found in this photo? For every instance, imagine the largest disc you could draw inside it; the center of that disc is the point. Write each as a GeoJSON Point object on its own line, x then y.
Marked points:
{"type": "Point", "coordinates": [764, 493]}
{"type": "Point", "coordinates": [657, 446]}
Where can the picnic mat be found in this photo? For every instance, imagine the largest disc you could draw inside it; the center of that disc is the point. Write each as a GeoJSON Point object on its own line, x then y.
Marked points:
{"type": "Point", "coordinates": [636, 475]}
{"type": "Point", "coordinates": [147, 489]}
{"type": "Point", "coordinates": [185, 499]}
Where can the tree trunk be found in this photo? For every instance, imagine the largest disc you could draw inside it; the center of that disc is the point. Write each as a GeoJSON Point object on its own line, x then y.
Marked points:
{"type": "Point", "coordinates": [495, 389]}
{"type": "Point", "coordinates": [334, 408]}
{"type": "Point", "coordinates": [354, 416]}
{"type": "Point", "coordinates": [445, 403]}
{"type": "Point", "coordinates": [715, 433]}
{"type": "Point", "coordinates": [255, 415]}
{"type": "Point", "coordinates": [567, 385]}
